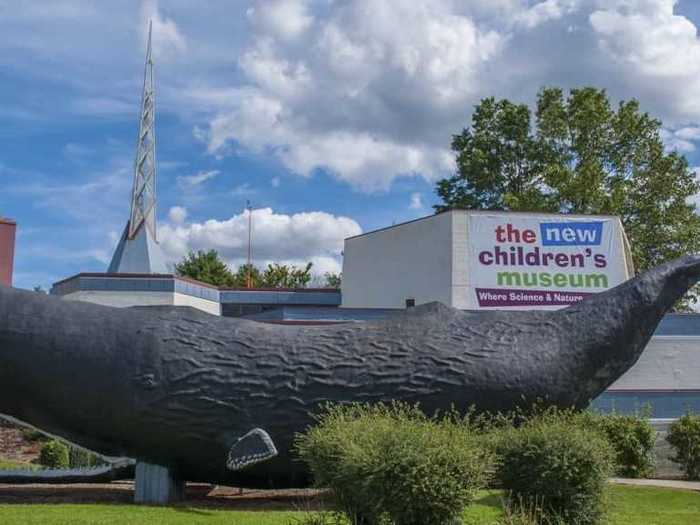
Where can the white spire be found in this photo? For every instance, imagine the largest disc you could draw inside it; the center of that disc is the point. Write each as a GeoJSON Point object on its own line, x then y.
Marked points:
{"type": "Point", "coordinates": [143, 198]}
{"type": "Point", "coordinates": [138, 250]}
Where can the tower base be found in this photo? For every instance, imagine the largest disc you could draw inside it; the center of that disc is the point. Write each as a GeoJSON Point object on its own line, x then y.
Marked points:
{"type": "Point", "coordinates": [155, 484]}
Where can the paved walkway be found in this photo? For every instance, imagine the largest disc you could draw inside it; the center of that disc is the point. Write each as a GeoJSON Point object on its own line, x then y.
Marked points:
{"type": "Point", "coordinates": [663, 483]}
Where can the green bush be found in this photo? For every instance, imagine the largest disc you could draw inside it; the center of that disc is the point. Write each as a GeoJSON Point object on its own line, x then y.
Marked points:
{"type": "Point", "coordinates": [54, 454]}
{"type": "Point", "coordinates": [392, 464]}
{"type": "Point", "coordinates": [31, 435]}
{"type": "Point", "coordinates": [684, 437]}
{"type": "Point", "coordinates": [81, 458]}
{"type": "Point", "coordinates": [632, 438]}
{"type": "Point", "coordinates": [557, 464]}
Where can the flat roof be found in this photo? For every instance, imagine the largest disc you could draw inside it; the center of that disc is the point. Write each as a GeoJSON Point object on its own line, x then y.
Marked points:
{"type": "Point", "coordinates": [189, 279]}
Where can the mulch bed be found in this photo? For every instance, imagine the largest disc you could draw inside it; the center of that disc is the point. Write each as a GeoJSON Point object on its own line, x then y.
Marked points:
{"type": "Point", "coordinates": [14, 447]}
{"type": "Point", "coordinates": [197, 495]}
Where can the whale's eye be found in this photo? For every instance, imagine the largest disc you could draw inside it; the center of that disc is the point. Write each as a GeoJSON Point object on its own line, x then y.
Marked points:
{"type": "Point", "coordinates": [147, 380]}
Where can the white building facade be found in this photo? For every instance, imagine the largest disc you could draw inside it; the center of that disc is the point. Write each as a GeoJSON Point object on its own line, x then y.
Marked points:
{"type": "Point", "coordinates": [477, 259]}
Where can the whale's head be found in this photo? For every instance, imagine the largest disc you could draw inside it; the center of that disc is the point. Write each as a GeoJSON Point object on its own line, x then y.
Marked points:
{"type": "Point", "coordinates": [606, 334]}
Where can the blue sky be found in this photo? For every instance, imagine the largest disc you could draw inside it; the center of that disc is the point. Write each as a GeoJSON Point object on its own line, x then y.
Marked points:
{"type": "Point", "coordinates": [333, 117]}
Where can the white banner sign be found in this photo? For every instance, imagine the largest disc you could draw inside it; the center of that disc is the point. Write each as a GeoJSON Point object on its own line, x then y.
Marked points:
{"type": "Point", "coordinates": [546, 261]}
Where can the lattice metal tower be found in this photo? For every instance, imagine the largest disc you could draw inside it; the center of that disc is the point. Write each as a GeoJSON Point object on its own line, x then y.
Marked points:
{"type": "Point", "coordinates": [138, 250]}
{"type": "Point", "coordinates": [143, 198]}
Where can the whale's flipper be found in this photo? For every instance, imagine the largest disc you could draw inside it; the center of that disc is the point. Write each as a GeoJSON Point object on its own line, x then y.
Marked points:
{"type": "Point", "coordinates": [256, 446]}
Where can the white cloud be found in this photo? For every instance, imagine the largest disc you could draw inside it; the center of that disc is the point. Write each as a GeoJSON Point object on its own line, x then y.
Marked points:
{"type": "Point", "coordinates": [681, 139]}
{"type": "Point", "coordinates": [654, 47]}
{"type": "Point", "coordinates": [545, 11]}
{"type": "Point", "coordinates": [416, 201]}
{"type": "Point", "coordinates": [351, 96]}
{"type": "Point", "coordinates": [370, 100]}
{"type": "Point", "coordinates": [292, 239]}
{"type": "Point", "coordinates": [167, 39]}
{"type": "Point", "coordinates": [185, 181]}
{"type": "Point", "coordinates": [286, 19]}
{"type": "Point", "coordinates": [369, 90]}
{"type": "Point", "coordinates": [177, 214]}
{"type": "Point", "coordinates": [243, 190]}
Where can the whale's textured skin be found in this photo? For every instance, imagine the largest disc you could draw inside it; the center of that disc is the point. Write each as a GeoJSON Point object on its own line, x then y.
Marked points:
{"type": "Point", "coordinates": [178, 387]}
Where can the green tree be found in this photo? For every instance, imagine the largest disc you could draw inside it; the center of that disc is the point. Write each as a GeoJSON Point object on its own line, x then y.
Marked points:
{"type": "Point", "coordinates": [241, 276]}
{"type": "Point", "coordinates": [206, 267]}
{"type": "Point", "coordinates": [498, 160]}
{"type": "Point", "coordinates": [332, 280]}
{"type": "Point", "coordinates": [286, 276]}
{"type": "Point", "coordinates": [582, 155]}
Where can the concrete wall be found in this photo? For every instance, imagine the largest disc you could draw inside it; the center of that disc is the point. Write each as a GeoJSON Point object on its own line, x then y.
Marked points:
{"type": "Point", "coordinates": [668, 363]}
{"type": "Point", "coordinates": [666, 380]}
{"type": "Point", "coordinates": [7, 251]}
{"type": "Point", "coordinates": [127, 299]}
{"type": "Point", "coordinates": [123, 299]}
{"type": "Point", "coordinates": [460, 290]}
{"type": "Point", "coordinates": [210, 307]}
{"type": "Point", "coordinates": [408, 261]}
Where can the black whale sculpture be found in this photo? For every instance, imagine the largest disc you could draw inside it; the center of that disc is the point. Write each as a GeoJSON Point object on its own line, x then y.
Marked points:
{"type": "Point", "coordinates": [178, 387]}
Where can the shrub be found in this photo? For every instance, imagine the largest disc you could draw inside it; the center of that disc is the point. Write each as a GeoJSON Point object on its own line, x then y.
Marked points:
{"type": "Point", "coordinates": [632, 438]}
{"type": "Point", "coordinates": [684, 437]}
{"type": "Point", "coordinates": [528, 513]}
{"type": "Point", "coordinates": [558, 465]}
{"type": "Point", "coordinates": [394, 463]}
{"type": "Point", "coordinates": [81, 458]}
{"type": "Point", "coordinates": [31, 435]}
{"type": "Point", "coordinates": [54, 454]}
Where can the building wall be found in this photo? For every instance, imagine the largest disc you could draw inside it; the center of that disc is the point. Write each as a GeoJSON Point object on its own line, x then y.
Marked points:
{"type": "Point", "coordinates": [407, 261]}
{"type": "Point", "coordinates": [666, 379]}
{"type": "Point", "coordinates": [668, 363]}
{"type": "Point", "coordinates": [205, 305]}
{"type": "Point", "coordinates": [7, 251]}
{"type": "Point", "coordinates": [435, 259]}
{"type": "Point", "coordinates": [123, 299]}
{"type": "Point", "coordinates": [127, 299]}
{"type": "Point", "coordinates": [460, 289]}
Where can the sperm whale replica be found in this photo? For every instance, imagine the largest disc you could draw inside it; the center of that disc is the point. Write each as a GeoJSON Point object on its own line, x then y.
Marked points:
{"type": "Point", "coordinates": [220, 400]}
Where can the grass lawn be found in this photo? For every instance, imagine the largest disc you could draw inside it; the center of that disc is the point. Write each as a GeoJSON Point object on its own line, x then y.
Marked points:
{"type": "Point", "coordinates": [12, 465]}
{"type": "Point", "coordinates": [136, 515]}
{"type": "Point", "coordinates": [629, 505]}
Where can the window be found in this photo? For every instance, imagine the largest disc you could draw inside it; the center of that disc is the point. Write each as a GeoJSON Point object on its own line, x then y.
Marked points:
{"type": "Point", "coordinates": [410, 303]}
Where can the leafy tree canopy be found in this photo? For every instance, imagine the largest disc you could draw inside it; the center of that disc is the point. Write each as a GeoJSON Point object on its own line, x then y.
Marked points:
{"type": "Point", "coordinates": [284, 276]}
{"type": "Point", "coordinates": [580, 155]}
{"type": "Point", "coordinates": [208, 267]}
{"type": "Point", "coordinates": [332, 280]}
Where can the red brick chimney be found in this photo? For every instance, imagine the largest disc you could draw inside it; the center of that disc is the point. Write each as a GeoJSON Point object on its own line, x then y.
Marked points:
{"type": "Point", "coordinates": [7, 250]}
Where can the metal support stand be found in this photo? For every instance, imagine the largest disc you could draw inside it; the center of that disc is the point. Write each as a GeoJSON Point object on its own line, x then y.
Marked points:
{"type": "Point", "coordinates": [157, 485]}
